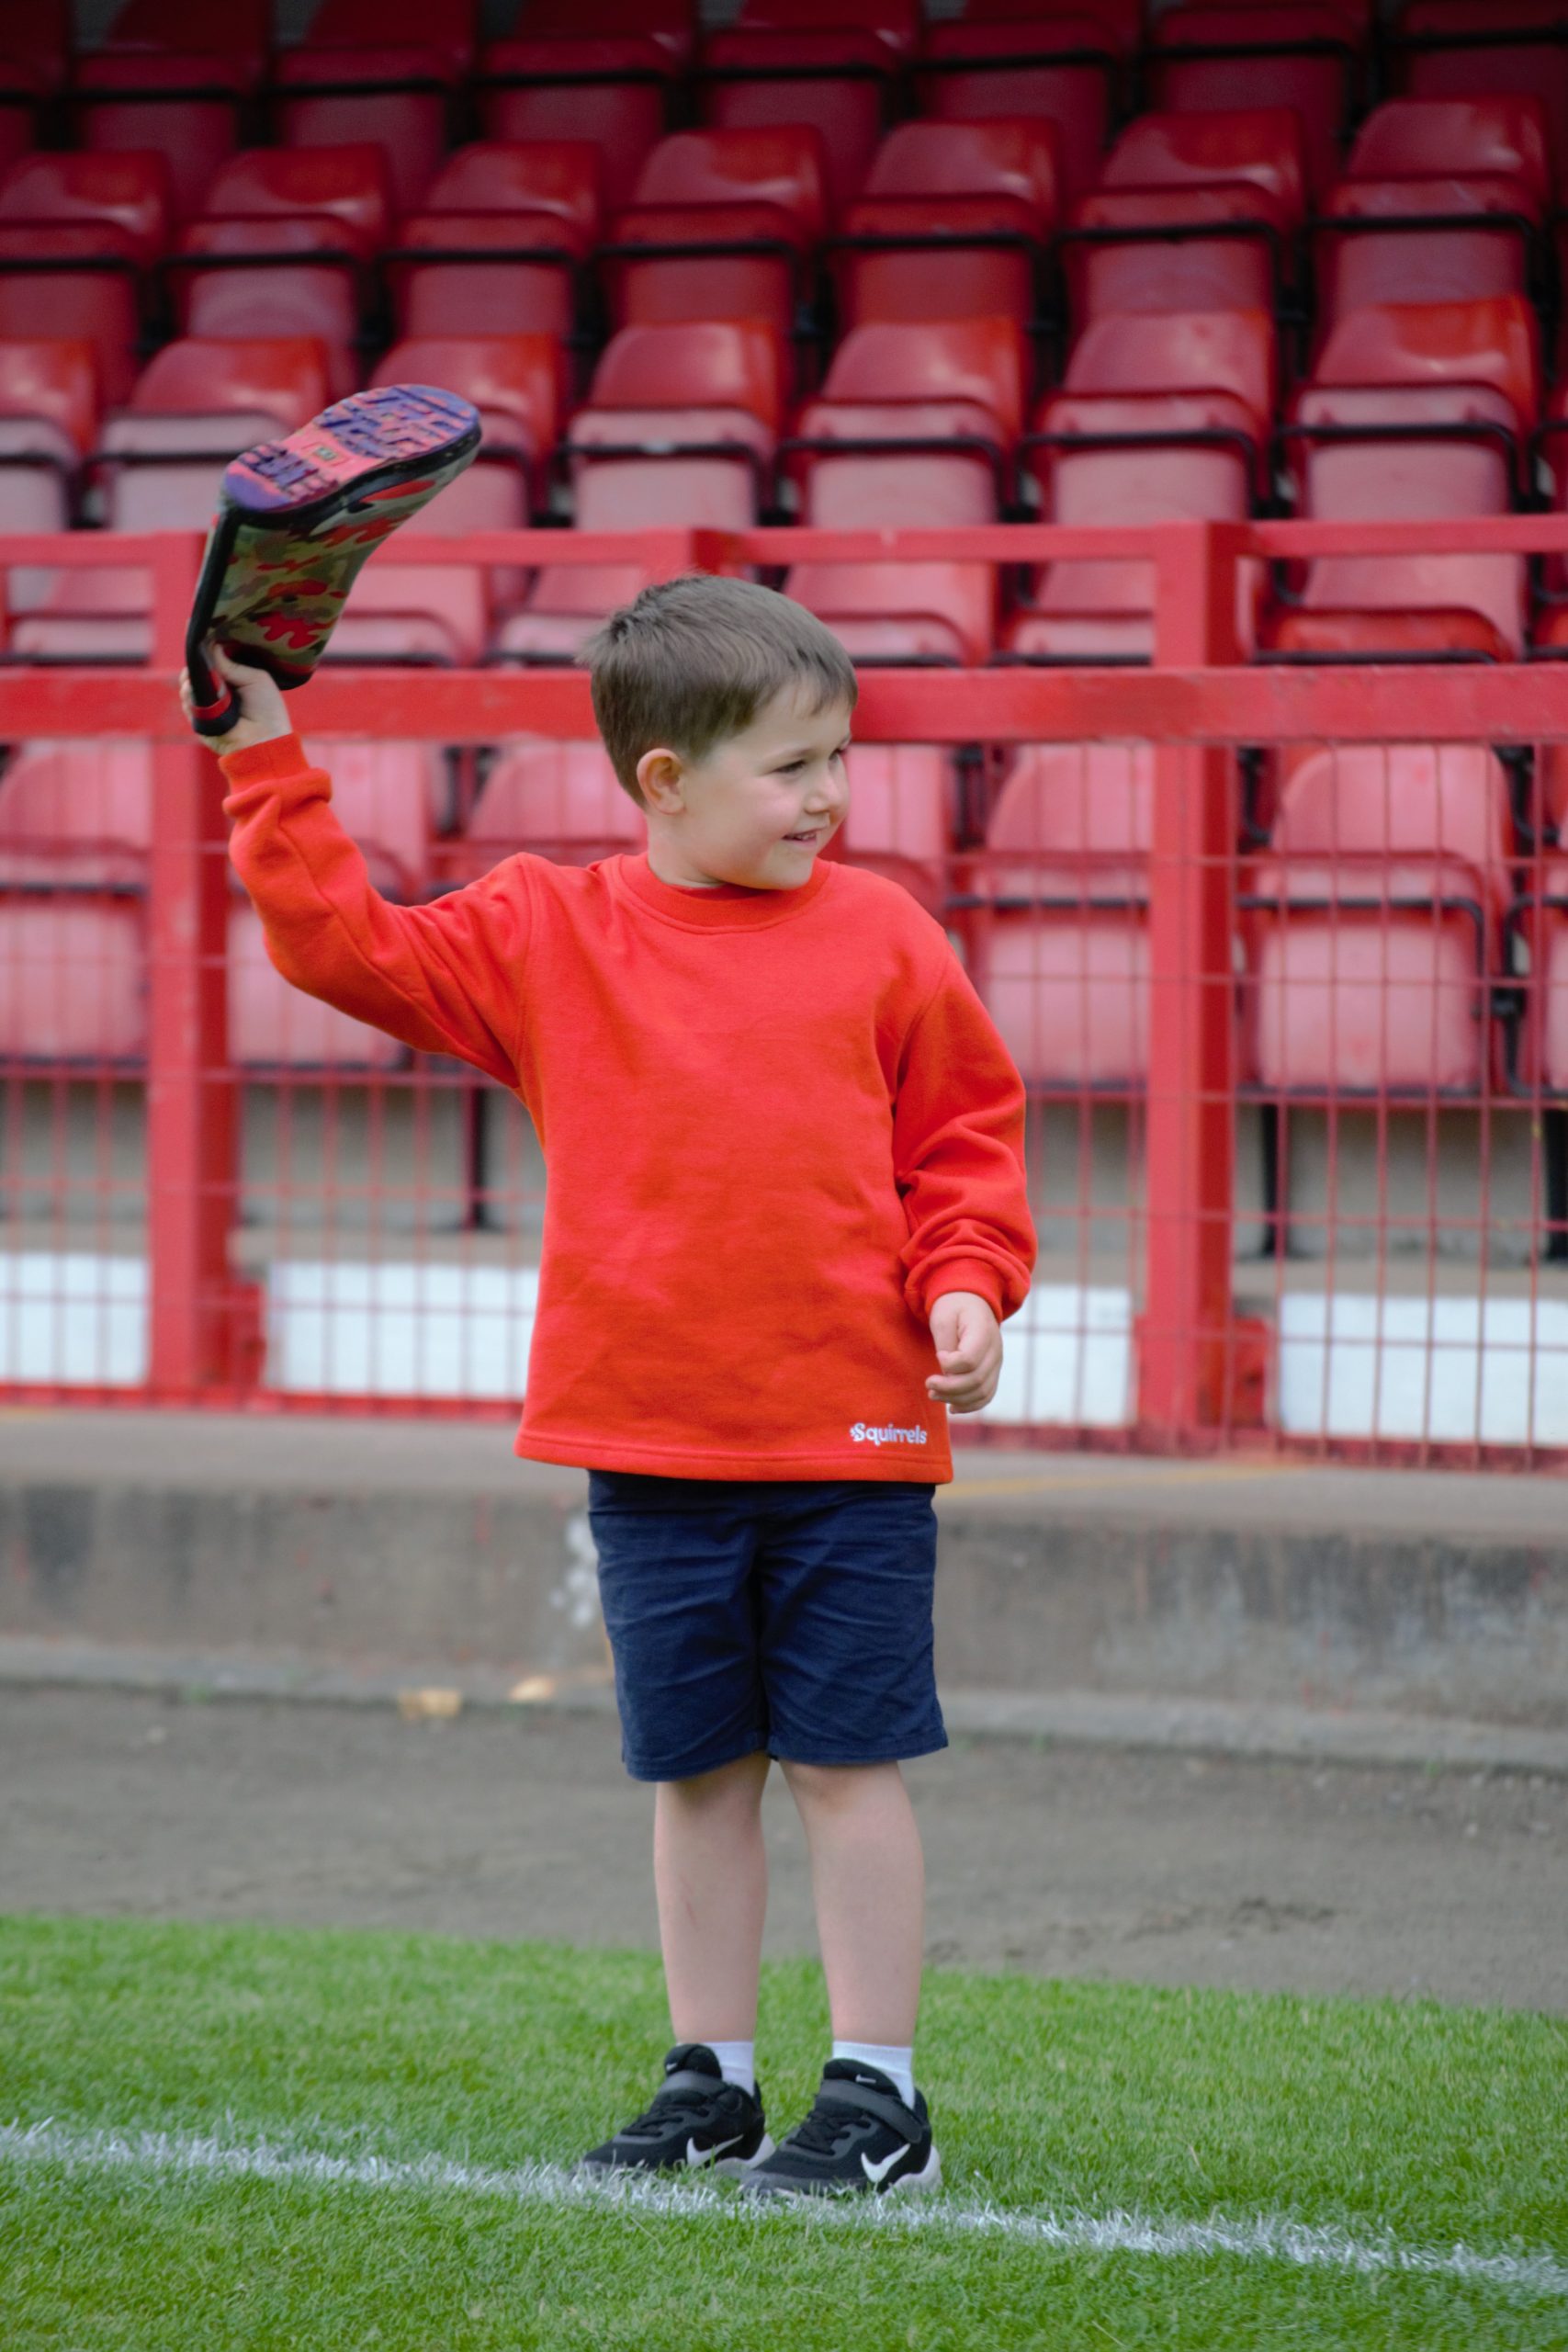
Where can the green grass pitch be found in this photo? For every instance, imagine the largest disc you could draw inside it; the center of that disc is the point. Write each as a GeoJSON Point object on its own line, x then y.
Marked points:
{"type": "Point", "coordinates": [1126, 2167]}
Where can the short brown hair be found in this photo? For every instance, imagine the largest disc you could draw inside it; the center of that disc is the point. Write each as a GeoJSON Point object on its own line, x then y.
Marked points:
{"type": "Point", "coordinates": [694, 660]}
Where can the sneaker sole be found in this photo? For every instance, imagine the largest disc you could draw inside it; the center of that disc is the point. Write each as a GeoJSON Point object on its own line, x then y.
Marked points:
{"type": "Point", "coordinates": [923, 2183]}
{"type": "Point", "coordinates": [728, 2167]}
{"type": "Point", "coordinates": [737, 2167]}
{"type": "Point", "coordinates": [298, 519]}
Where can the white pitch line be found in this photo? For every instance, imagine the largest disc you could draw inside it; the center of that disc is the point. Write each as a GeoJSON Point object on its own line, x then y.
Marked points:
{"type": "Point", "coordinates": [1265, 2237]}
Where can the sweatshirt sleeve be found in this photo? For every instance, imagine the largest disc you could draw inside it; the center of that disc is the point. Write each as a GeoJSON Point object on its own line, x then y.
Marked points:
{"type": "Point", "coordinates": [446, 977]}
{"type": "Point", "coordinates": [958, 1154]}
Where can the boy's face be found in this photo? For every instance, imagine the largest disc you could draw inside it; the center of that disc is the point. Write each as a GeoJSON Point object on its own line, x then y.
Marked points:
{"type": "Point", "coordinates": [760, 806]}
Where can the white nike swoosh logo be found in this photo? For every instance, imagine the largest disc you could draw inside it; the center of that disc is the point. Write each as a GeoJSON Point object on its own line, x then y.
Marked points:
{"type": "Point", "coordinates": [696, 2156]}
{"type": "Point", "coordinates": [878, 2172]}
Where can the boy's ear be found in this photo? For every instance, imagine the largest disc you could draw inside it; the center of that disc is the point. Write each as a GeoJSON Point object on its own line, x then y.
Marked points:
{"type": "Point", "coordinates": [660, 775]}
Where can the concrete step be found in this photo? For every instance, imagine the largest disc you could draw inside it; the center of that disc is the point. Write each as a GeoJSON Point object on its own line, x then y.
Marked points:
{"type": "Point", "coordinates": [425, 1551]}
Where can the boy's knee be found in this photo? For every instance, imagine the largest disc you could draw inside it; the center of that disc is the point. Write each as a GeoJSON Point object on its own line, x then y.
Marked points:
{"type": "Point", "coordinates": [738, 1783]}
{"type": "Point", "coordinates": [837, 1788]}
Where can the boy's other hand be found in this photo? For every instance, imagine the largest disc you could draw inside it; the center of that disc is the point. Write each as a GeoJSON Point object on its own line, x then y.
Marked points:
{"type": "Point", "coordinates": [968, 1348]}
{"type": "Point", "coordinates": [262, 717]}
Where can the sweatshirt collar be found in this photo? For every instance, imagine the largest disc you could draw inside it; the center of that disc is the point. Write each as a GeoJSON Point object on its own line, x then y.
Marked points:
{"type": "Point", "coordinates": [726, 906]}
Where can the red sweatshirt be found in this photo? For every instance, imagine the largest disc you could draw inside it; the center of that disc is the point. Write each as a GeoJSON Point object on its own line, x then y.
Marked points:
{"type": "Point", "coordinates": [778, 1124]}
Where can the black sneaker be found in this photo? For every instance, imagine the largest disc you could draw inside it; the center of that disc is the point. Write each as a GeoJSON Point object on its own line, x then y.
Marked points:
{"type": "Point", "coordinates": [697, 2122]}
{"type": "Point", "coordinates": [859, 2137]}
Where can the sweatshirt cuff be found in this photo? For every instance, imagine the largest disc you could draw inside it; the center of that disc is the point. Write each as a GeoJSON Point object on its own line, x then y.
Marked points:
{"type": "Point", "coordinates": [270, 762]}
{"type": "Point", "coordinates": [976, 1274]}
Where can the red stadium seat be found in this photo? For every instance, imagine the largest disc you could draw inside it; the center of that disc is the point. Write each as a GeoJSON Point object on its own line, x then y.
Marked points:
{"type": "Point", "coordinates": [678, 429]}
{"type": "Point", "coordinates": [1420, 167]}
{"type": "Point", "coordinates": [333, 100]}
{"type": "Point", "coordinates": [1457, 48]}
{"type": "Point", "coordinates": [273, 1026]}
{"type": "Point", "coordinates": [275, 383]}
{"type": "Point", "coordinates": [77, 231]}
{"type": "Point", "coordinates": [1058, 943]}
{"type": "Point", "coordinates": [451, 34]}
{"type": "Point", "coordinates": [1416, 410]}
{"type": "Point", "coordinates": [49, 410]}
{"type": "Point", "coordinates": [981, 363]}
{"type": "Point", "coordinates": [1119, 22]}
{"type": "Point", "coordinates": [77, 815]}
{"type": "Point", "coordinates": [557, 177]}
{"type": "Point", "coordinates": [72, 979]}
{"type": "Point", "coordinates": [743, 210]}
{"type": "Point", "coordinates": [240, 33]}
{"type": "Point", "coordinates": [284, 247]}
{"type": "Point", "coordinates": [151, 84]}
{"type": "Point", "coordinates": [894, 24]}
{"type": "Point", "coordinates": [1062, 69]}
{"type": "Point", "coordinates": [503, 234]}
{"type": "Point", "coordinates": [1194, 212]}
{"type": "Point", "coordinates": [955, 223]}
{"type": "Point", "coordinates": [1432, 634]}
{"type": "Point", "coordinates": [1229, 352]}
{"type": "Point", "coordinates": [1300, 54]}
{"type": "Point", "coordinates": [1259, 146]}
{"type": "Point", "coordinates": [186, 105]}
{"type": "Point", "coordinates": [770, 69]}
{"type": "Point", "coordinates": [50, 386]}
{"type": "Point", "coordinates": [378, 73]}
{"type": "Point", "coordinates": [1374, 921]}
{"type": "Point", "coordinates": [127, 194]}
{"type": "Point", "coordinates": [556, 799]}
{"type": "Point", "coordinates": [1420, 346]}
{"type": "Point", "coordinates": [914, 425]}
{"type": "Point", "coordinates": [1411, 241]}
{"type": "Point", "coordinates": [1161, 419]}
{"type": "Point", "coordinates": [902, 816]}
{"type": "Point", "coordinates": [1105, 459]}
{"type": "Point", "coordinates": [36, 39]}
{"type": "Point", "coordinates": [666, 27]}
{"type": "Point", "coordinates": [381, 71]}
{"type": "Point", "coordinates": [611, 88]}
{"type": "Point", "coordinates": [1505, 135]}
{"type": "Point", "coordinates": [75, 829]}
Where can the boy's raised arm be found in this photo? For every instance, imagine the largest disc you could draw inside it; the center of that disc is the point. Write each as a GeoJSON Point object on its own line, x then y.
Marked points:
{"type": "Point", "coordinates": [958, 1154]}
{"type": "Point", "coordinates": [445, 978]}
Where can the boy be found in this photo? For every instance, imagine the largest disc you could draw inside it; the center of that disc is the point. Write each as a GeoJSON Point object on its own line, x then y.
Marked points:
{"type": "Point", "coordinates": [784, 1219]}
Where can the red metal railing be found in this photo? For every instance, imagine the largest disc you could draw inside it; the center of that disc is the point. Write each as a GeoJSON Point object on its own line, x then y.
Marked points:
{"type": "Point", "coordinates": [1200, 1366]}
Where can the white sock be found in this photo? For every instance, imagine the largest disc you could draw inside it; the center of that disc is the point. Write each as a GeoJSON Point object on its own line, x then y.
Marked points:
{"type": "Point", "coordinates": [899, 2066]}
{"type": "Point", "coordinates": [738, 2063]}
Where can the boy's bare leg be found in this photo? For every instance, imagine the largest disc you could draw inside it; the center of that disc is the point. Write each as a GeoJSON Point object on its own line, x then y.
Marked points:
{"type": "Point", "coordinates": [868, 1880]}
{"type": "Point", "coordinates": [710, 1873]}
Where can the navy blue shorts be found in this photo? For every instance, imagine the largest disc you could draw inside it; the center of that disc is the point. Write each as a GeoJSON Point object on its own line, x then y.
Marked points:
{"type": "Point", "coordinates": [791, 1615]}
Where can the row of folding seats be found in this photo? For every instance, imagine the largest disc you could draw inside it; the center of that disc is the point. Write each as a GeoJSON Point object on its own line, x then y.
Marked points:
{"type": "Point", "coordinates": [1395, 901]}
{"type": "Point", "coordinates": [1413, 410]}
{"type": "Point", "coordinates": [608, 70]}
{"type": "Point", "coordinates": [615, 74]}
{"type": "Point", "coordinates": [1200, 210]}
{"type": "Point", "coordinates": [1395, 907]}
